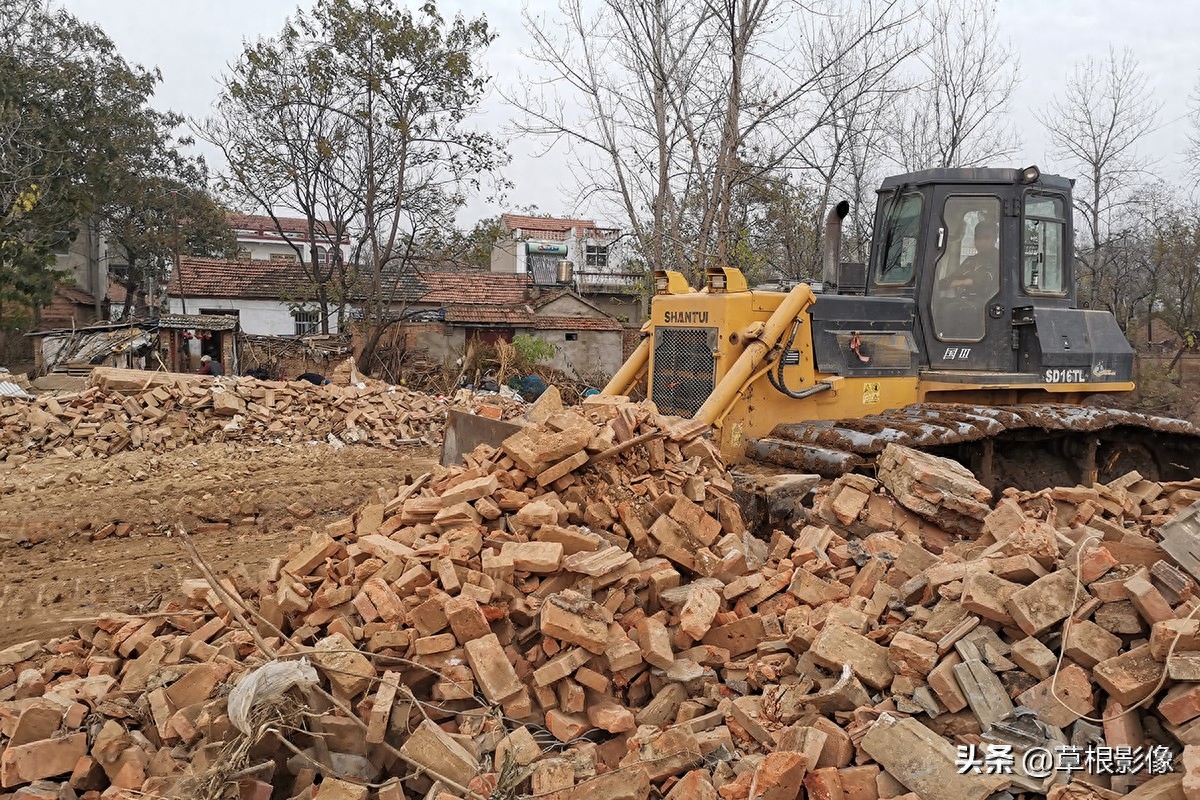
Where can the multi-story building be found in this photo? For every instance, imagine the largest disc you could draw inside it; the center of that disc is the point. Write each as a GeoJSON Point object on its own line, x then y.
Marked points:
{"type": "Point", "coordinates": [259, 239]}
{"type": "Point", "coordinates": [601, 268]}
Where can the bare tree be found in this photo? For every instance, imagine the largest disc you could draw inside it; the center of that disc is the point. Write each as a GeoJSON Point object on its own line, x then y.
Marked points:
{"type": "Point", "coordinates": [1192, 154]}
{"type": "Point", "coordinates": [288, 150]}
{"type": "Point", "coordinates": [358, 113]}
{"type": "Point", "coordinates": [673, 108]}
{"type": "Point", "coordinates": [957, 114]}
{"type": "Point", "coordinates": [1094, 129]}
{"type": "Point", "coordinates": [843, 156]}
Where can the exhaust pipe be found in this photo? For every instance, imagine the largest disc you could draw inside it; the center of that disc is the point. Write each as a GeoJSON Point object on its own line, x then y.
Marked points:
{"type": "Point", "coordinates": [832, 254]}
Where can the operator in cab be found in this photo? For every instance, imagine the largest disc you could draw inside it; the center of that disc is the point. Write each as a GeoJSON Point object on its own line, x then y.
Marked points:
{"type": "Point", "coordinates": [979, 270]}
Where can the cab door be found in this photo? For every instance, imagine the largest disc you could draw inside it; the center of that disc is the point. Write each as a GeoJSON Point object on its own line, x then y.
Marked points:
{"type": "Point", "coordinates": [969, 326]}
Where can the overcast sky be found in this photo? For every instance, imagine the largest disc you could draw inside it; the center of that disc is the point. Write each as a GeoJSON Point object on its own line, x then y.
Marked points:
{"type": "Point", "coordinates": [192, 41]}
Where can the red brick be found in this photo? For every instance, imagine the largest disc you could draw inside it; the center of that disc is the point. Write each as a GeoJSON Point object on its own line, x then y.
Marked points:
{"type": "Point", "coordinates": [655, 642]}
{"type": "Point", "coordinates": [1045, 602]}
{"type": "Point", "coordinates": [466, 619]}
{"type": "Point", "coordinates": [1191, 771]}
{"type": "Point", "coordinates": [945, 684]}
{"type": "Point", "coordinates": [520, 746]}
{"type": "Point", "coordinates": [619, 785]}
{"type": "Point", "coordinates": [1181, 703]}
{"type": "Point", "coordinates": [1148, 600]}
{"type": "Point", "coordinates": [334, 789]}
{"type": "Point", "coordinates": [41, 759]}
{"type": "Point", "coordinates": [696, 785]}
{"type": "Point", "coordinates": [824, 784]}
{"type": "Point", "coordinates": [540, 558]}
{"type": "Point", "coordinates": [432, 747]}
{"type": "Point", "coordinates": [1062, 700]}
{"type": "Point", "coordinates": [1130, 676]}
{"type": "Point", "coordinates": [566, 727]}
{"type": "Point", "coordinates": [349, 671]}
{"type": "Point", "coordinates": [39, 720]}
{"type": "Point", "coordinates": [924, 762]}
{"type": "Point", "coordinates": [1034, 657]}
{"type": "Point", "coordinates": [1122, 729]}
{"type": "Point", "coordinates": [1095, 563]}
{"type": "Point", "coordinates": [494, 673]}
{"type": "Point", "coordinates": [859, 783]}
{"type": "Point", "coordinates": [911, 655]}
{"type": "Point", "coordinates": [552, 778]}
{"type": "Point", "coordinates": [1087, 644]}
{"type": "Point", "coordinates": [836, 646]}
{"type": "Point", "coordinates": [696, 617]}
{"type": "Point", "coordinates": [197, 685]}
{"type": "Point", "coordinates": [573, 618]}
{"type": "Point", "coordinates": [607, 714]}
{"type": "Point", "coordinates": [1184, 634]}
{"type": "Point", "coordinates": [986, 595]}
{"type": "Point", "coordinates": [664, 754]}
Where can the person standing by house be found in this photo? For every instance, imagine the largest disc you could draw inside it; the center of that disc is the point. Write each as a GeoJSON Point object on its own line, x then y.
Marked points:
{"type": "Point", "coordinates": [210, 367]}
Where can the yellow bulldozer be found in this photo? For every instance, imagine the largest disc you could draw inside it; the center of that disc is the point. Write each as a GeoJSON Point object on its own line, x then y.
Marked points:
{"type": "Point", "coordinates": [961, 335]}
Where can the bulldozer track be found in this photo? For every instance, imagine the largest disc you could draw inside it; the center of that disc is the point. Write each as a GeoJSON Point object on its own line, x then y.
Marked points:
{"type": "Point", "coordinates": [998, 442]}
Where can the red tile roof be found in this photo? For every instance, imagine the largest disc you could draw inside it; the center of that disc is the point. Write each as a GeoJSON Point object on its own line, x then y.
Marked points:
{"type": "Point", "coordinates": [472, 299]}
{"type": "Point", "coordinates": [557, 224]}
{"type": "Point", "coordinates": [458, 288]}
{"type": "Point", "coordinates": [577, 324]}
{"type": "Point", "coordinates": [273, 280]}
{"type": "Point", "coordinates": [117, 291]}
{"type": "Point", "coordinates": [263, 225]}
{"type": "Point", "coordinates": [214, 277]}
{"type": "Point", "coordinates": [484, 315]}
{"type": "Point", "coordinates": [74, 294]}
{"type": "Point", "coordinates": [522, 318]}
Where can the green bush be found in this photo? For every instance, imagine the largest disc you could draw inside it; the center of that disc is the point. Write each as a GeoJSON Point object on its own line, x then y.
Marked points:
{"type": "Point", "coordinates": [531, 350]}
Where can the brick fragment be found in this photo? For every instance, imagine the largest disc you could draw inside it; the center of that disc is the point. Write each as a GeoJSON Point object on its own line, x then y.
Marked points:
{"type": "Point", "coordinates": [494, 673]}
{"type": "Point", "coordinates": [836, 646]}
{"type": "Point", "coordinates": [655, 642]}
{"type": "Point", "coordinates": [1087, 644]}
{"type": "Point", "coordinates": [924, 762]}
{"type": "Point", "coordinates": [1045, 602]}
{"type": "Point", "coordinates": [573, 618]}
{"type": "Point", "coordinates": [1129, 677]}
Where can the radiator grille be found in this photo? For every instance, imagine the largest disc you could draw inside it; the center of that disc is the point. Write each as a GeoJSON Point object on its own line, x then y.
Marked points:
{"type": "Point", "coordinates": [684, 369]}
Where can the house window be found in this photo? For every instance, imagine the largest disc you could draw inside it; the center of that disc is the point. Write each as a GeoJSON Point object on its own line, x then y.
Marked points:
{"type": "Point", "coordinates": [306, 322]}
{"type": "Point", "coordinates": [283, 257]}
{"type": "Point", "coordinates": [243, 253]}
{"type": "Point", "coordinates": [596, 255]}
{"type": "Point", "coordinates": [572, 337]}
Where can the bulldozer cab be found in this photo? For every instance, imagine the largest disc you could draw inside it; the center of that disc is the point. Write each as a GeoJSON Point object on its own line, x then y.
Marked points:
{"type": "Point", "coordinates": [984, 254]}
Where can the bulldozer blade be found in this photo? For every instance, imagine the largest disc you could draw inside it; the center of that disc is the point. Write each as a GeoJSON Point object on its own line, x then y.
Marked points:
{"type": "Point", "coordinates": [465, 432]}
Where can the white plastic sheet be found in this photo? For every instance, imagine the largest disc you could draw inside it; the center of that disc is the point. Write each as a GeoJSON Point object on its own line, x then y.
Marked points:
{"type": "Point", "coordinates": [269, 681]}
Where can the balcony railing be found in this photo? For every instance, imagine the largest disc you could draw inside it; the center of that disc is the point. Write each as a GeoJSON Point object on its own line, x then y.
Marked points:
{"type": "Point", "coordinates": [598, 278]}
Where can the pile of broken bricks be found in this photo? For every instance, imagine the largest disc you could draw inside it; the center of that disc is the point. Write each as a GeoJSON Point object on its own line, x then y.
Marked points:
{"type": "Point", "coordinates": [134, 410]}
{"type": "Point", "coordinates": [583, 613]}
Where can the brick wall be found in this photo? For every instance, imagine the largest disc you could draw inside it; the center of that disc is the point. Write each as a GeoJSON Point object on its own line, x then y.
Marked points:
{"type": "Point", "coordinates": [630, 339]}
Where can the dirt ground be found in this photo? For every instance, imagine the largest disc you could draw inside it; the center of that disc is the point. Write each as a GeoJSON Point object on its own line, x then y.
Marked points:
{"type": "Point", "coordinates": [233, 499]}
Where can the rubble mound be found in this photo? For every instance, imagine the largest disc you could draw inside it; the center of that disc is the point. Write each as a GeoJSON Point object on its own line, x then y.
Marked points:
{"type": "Point", "coordinates": [581, 613]}
{"type": "Point", "coordinates": [135, 410]}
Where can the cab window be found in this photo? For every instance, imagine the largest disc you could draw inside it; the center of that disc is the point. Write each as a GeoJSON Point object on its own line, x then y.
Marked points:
{"type": "Point", "coordinates": [1043, 267]}
{"type": "Point", "coordinates": [901, 223]}
{"type": "Point", "coordinates": [967, 273]}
